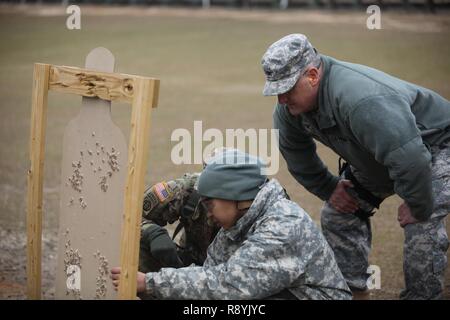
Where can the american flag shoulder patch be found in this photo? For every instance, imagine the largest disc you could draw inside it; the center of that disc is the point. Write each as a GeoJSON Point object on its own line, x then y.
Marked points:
{"type": "Point", "coordinates": [162, 191]}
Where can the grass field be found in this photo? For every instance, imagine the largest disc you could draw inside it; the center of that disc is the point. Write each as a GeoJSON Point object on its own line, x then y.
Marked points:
{"type": "Point", "coordinates": [208, 63]}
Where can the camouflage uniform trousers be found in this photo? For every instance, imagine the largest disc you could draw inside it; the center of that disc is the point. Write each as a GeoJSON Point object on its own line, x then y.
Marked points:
{"type": "Point", "coordinates": [426, 243]}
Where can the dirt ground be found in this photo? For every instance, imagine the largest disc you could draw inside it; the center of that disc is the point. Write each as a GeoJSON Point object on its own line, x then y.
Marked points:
{"type": "Point", "coordinates": [208, 63]}
{"type": "Point", "coordinates": [13, 264]}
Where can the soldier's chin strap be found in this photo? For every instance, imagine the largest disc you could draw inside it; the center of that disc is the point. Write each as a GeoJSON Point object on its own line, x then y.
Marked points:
{"type": "Point", "coordinates": [177, 230]}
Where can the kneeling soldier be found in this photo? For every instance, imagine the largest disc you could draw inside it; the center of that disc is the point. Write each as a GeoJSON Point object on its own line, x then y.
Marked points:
{"type": "Point", "coordinates": [268, 247]}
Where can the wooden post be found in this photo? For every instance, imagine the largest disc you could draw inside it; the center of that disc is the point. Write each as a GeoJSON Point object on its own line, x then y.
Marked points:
{"type": "Point", "coordinates": [145, 98]}
{"type": "Point", "coordinates": [90, 83]}
{"type": "Point", "coordinates": [143, 94]}
{"type": "Point", "coordinates": [35, 178]}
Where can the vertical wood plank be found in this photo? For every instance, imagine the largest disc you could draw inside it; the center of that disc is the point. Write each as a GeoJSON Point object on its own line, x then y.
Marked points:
{"type": "Point", "coordinates": [35, 178]}
{"type": "Point", "coordinates": [145, 96]}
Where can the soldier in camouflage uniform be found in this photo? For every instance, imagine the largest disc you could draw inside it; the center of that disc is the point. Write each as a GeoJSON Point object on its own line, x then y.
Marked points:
{"type": "Point", "coordinates": [166, 203]}
{"type": "Point", "coordinates": [395, 137]}
{"type": "Point", "coordinates": [268, 246]}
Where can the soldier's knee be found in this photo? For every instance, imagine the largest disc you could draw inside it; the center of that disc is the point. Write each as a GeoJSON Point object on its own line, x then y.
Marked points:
{"type": "Point", "coordinates": [326, 214]}
{"type": "Point", "coordinates": [165, 251]}
{"type": "Point", "coordinates": [149, 231]}
{"type": "Point", "coordinates": [331, 219]}
{"type": "Point", "coordinates": [431, 232]}
{"type": "Point", "coordinates": [426, 244]}
{"type": "Point", "coordinates": [155, 238]}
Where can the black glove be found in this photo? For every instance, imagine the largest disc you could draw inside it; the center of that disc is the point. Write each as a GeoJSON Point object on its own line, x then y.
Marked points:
{"type": "Point", "coordinates": [156, 241]}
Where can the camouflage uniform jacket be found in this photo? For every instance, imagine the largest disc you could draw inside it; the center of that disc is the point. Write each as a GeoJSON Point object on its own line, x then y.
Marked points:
{"type": "Point", "coordinates": [165, 203]}
{"type": "Point", "coordinates": [380, 124]}
{"type": "Point", "coordinates": [274, 246]}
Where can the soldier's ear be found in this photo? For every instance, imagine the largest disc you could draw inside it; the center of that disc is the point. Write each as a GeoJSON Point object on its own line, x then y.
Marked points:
{"type": "Point", "coordinates": [313, 76]}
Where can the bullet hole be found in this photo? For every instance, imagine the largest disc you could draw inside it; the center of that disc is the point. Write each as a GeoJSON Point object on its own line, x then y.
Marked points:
{"type": "Point", "coordinates": [83, 204]}
{"type": "Point", "coordinates": [76, 179]}
{"type": "Point", "coordinates": [101, 279]}
{"type": "Point", "coordinates": [103, 183]}
{"type": "Point", "coordinates": [113, 163]}
{"type": "Point", "coordinates": [113, 160]}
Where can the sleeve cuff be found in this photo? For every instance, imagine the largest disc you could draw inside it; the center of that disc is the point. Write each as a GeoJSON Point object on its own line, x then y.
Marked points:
{"type": "Point", "coordinates": [422, 213]}
{"type": "Point", "coordinates": [149, 283]}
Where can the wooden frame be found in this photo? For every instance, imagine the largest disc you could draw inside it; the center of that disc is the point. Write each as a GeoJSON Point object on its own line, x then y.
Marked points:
{"type": "Point", "coordinates": [142, 93]}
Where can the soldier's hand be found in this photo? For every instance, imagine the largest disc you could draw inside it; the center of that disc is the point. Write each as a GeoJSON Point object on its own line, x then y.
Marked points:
{"type": "Point", "coordinates": [115, 276]}
{"type": "Point", "coordinates": [405, 216]}
{"type": "Point", "coordinates": [341, 200]}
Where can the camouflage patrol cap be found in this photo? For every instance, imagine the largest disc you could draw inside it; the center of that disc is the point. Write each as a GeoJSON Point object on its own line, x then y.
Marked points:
{"type": "Point", "coordinates": [284, 61]}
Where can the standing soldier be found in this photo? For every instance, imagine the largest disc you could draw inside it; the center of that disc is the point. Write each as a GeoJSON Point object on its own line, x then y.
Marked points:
{"type": "Point", "coordinates": [396, 138]}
